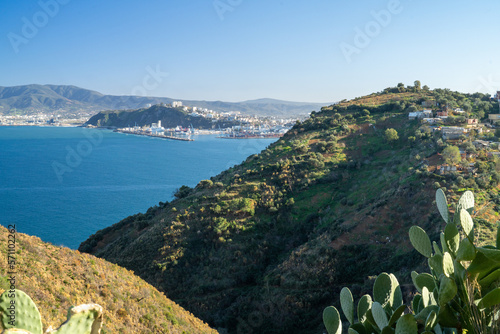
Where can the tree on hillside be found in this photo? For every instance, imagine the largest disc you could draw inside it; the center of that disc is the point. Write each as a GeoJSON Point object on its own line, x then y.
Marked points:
{"type": "Point", "coordinates": [467, 107]}
{"type": "Point", "coordinates": [401, 87]}
{"type": "Point", "coordinates": [391, 135]}
{"type": "Point", "coordinates": [417, 85]}
{"type": "Point", "coordinates": [451, 155]}
{"type": "Point", "coordinates": [426, 88]}
{"type": "Point", "coordinates": [412, 108]}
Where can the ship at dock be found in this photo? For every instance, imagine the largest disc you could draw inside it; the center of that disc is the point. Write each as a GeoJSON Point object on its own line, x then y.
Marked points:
{"type": "Point", "coordinates": [157, 131]}
{"type": "Point", "coordinates": [251, 132]}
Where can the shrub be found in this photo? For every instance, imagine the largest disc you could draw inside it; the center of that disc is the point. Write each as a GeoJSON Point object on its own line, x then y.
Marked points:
{"type": "Point", "coordinates": [205, 184]}
{"type": "Point", "coordinates": [182, 192]}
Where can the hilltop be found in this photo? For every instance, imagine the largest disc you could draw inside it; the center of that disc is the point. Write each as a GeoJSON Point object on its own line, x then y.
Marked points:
{"type": "Point", "coordinates": [57, 278]}
{"type": "Point", "coordinates": [267, 244]}
{"type": "Point", "coordinates": [169, 117]}
{"type": "Point", "coordinates": [72, 100]}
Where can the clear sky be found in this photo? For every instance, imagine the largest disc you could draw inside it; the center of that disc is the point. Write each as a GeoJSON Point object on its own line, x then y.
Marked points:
{"type": "Point", "coordinates": [235, 50]}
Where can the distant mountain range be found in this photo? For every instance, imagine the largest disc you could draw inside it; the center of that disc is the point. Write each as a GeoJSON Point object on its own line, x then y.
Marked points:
{"type": "Point", "coordinates": [71, 99]}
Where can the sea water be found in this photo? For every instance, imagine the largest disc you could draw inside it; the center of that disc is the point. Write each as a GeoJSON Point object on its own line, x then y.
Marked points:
{"type": "Point", "coordinates": [64, 184]}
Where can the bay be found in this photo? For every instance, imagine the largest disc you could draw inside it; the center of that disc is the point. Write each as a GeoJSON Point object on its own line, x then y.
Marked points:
{"type": "Point", "coordinates": [64, 184]}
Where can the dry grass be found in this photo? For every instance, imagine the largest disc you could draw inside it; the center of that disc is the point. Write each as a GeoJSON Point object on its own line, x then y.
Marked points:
{"type": "Point", "coordinates": [57, 278]}
{"type": "Point", "coordinates": [379, 99]}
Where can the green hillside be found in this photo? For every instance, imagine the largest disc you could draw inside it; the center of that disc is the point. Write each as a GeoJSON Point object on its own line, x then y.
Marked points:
{"type": "Point", "coordinates": [57, 278]}
{"type": "Point", "coordinates": [265, 246]}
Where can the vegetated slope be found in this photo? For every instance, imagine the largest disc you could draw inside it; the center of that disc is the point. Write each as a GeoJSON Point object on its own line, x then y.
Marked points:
{"type": "Point", "coordinates": [57, 278]}
{"type": "Point", "coordinates": [264, 246]}
{"type": "Point", "coordinates": [63, 98]}
{"type": "Point", "coordinates": [169, 117]}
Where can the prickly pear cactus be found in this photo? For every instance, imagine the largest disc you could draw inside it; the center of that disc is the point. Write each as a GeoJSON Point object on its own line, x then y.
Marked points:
{"type": "Point", "coordinates": [460, 294]}
{"type": "Point", "coordinates": [20, 312]}
{"type": "Point", "coordinates": [83, 319]}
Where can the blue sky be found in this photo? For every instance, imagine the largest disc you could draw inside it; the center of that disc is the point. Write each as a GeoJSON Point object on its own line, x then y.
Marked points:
{"type": "Point", "coordinates": [235, 50]}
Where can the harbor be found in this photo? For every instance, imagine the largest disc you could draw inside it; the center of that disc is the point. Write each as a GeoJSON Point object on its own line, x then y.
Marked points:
{"type": "Point", "coordinates": [184, 134]}
{"type": "Point", "coordinates": [156, 135]}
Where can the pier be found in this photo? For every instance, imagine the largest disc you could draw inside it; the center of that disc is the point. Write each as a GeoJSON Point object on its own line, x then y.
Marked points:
{"type": "Point", "coordinates": [155, 135]}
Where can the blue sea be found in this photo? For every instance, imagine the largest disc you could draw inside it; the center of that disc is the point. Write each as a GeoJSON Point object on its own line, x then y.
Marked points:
{"type": "Point", "coordinates": [64, 184]}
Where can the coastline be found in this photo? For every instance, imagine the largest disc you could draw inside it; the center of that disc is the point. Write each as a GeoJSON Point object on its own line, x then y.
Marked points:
{"type": "Point", "coordinates": [66, 125]}
{"type": "Point", "coordinates": [154, 135]}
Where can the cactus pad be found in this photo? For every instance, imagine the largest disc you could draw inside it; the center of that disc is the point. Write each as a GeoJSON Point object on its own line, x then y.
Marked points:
{"type": "Point", "coordinates": [347, 304]}
{"type": "Point", "coordinates": [24, 312]}
{"type": "Point", "coordinates": [448, 268]}
{"type": "Point", "coordinates": [364, 304]}
{"type": "Point", "coordinates": [383, 290]}
{"type": "Point", "coordinates": [424, 280]}
{"type": "Point", "coordinates": [467, 223]}
{"type": "Point", "coordinates": [466, 202]}
{"type": "Point", "coordinates": [331, 319]}
{"type": "Point", "coordinates": [420, 241]}
{"type": "Point", "coordinates": [490, 279]}
{"type": "Point", "coordinates": [491, 253]}
{"type": "Point", "coordinates": [436, 264]}
{"type": "Point", "coordinates": [492, 298]}
{"type": "Point", "coordinates": [444, 246]}
{"type": "Point", "coordinates": [431, 321]}
{"type": "Point", "coordinates": [396, 315]}
{"type": "Point", "coordinates": [436, 248]}
{"type": "Point", "coordinates": [447, 290]}
{"type": "Point", "coordinates": [83, 319]}
{"type": "Point", "coordinates": [452, 237]}
{"type": "Point", "coordinates": [397, 299]}
{"type": "Point", "coordinates": [406, 324]}
{"type": "Point", "coordinates": [379, 315]}
{"type": "Point", "coordinates": [466, 251]}
{"type": "Point", "coordinates": [442, 204]}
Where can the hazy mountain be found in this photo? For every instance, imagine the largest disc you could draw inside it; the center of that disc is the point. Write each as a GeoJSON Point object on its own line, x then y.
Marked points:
{"type": "Point", "coordinates": [70, 99]}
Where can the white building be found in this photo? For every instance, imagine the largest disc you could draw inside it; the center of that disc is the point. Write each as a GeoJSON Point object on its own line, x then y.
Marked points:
{"type": "Point", "coordinates": [427, 113]}
{"type": "Point", "coordinates": [416, 114]}
{"type": "Point", "coordinates": [156, 128]}
{"type": "Point", "coordinates": [452, 132]}
{"type": "Point", "coordinates": [177, 104]}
